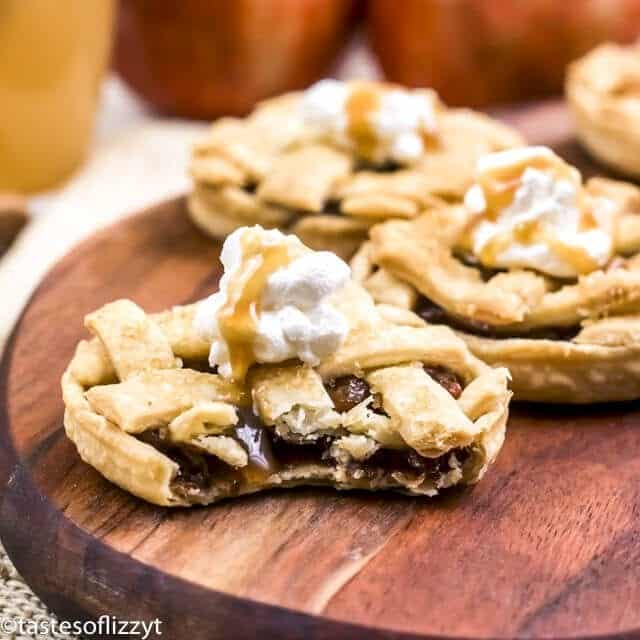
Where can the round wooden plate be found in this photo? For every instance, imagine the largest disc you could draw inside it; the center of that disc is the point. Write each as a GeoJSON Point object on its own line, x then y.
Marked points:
{"type": "Point", "coordinates": [547, 545]}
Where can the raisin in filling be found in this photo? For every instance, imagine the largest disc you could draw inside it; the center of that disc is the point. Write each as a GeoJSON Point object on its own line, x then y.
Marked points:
{"type": "Point", "coordinates": [347, 392]}
{"type": "Point", "coordinates": [447, 379]}
{"type": "Point", "coordinates": [432, 313]}
{"type": "Point", "coordinates": [412, 463]}
{"type": "Point", "coordinates": [331, 208]}
{"type": "Point", "coordinates": [197, 470]}
{"type": "Point", "coordinates": [251, 187]}
{"type": "Point", "coordinates": [469, 260]}
{"type": "Point", "coordinates": [388, 166]}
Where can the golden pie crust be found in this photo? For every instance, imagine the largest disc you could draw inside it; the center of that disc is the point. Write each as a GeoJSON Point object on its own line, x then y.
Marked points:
{"type": "Point", "coordinates": [603, 92]}
{"type": "Point", "coordinates": [147, 375]}
{"type": "Point", "coordinates": [266, 169]}
{"type": "Point", "coordinates": [499, 314]}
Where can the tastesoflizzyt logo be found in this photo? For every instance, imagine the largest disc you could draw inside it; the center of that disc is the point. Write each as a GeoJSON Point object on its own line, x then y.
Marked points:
{"type": "Point", "coordinates": [11, 627]}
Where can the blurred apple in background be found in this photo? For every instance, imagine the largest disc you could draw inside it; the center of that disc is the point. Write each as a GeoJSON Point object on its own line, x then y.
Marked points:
{"type": "Point", "coordinates": [205, 58]}
{"type": "Point", "coordinates": [480, 52]}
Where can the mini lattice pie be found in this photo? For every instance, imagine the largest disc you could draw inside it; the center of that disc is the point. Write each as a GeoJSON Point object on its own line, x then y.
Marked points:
{"type": "Point", "coordinates": [603, 91]}
{"type": "Point", "coordinates": [358, 402]}
{"type": "Point", "coordinates": [536, 272]}
{"type": "Point", "coordinates": [329, 163]}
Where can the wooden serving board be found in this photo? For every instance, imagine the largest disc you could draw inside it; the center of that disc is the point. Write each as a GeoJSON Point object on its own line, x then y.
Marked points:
{"type": "Point", "coordinates": [547, 545]}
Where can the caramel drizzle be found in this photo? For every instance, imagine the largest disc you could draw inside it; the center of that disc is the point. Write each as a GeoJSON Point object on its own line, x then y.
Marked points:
{"type": "Point", "coordinates": [257, 443]}
{"type": "Point", "coordinates": [237, 319]}
{"type": "Point", "coordinates": [362, 103]}
{"type": "Point", "coordinates": [588, 220]}
{"type": "Point", "coordinates": [499, 187]}
{"type": "Point", "coordinates": [534, 231]}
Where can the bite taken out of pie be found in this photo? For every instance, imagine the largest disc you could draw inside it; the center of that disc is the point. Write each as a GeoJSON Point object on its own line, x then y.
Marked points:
{"type": "Point", "coordinates": [536, 271]}
{"type": "Point", "coordinates": [330, 162]}
{"type": "Point", "coordinates": [288, 375]}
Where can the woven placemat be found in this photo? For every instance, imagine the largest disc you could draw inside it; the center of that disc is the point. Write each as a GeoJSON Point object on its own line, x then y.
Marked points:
{"type": "Point", "coordinates": [18, 602]}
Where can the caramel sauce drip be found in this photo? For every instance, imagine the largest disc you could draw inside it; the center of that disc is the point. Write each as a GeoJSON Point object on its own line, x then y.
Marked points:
{"type": "Point", "coordinates": [499, 187]}
{"type": "Point", "coordinates": [534, 231]}
{"type": "Point", "coordinates": [237, 319]}
{"type": "Point", "coordinates": [500, 184]}
{"type": "Point", "coordinates": [579, 258]}
{"type": "Point", "coordinates": [588, 219]}
{"type": "Point", "coordinates": [525, 233]}
{"type": "Point", "coordinates": [256, 440]}
{"type": "Point", "coordinates": [361, 104]}
{"type": "Point", "coordinates": [430, 140]}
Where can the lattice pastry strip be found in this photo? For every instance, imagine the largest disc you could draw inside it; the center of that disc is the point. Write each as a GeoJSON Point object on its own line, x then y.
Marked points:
{"type": "Point", "coordinates": [151, 398]}
{"type": "Point", "coordinates": [220, 211]}
{"type": "Point", "coordinates": [417, 253]}
{"type": "Point", "coordinates": [303, 178]}
{"type": "Point", "coordinates": [133, 342]}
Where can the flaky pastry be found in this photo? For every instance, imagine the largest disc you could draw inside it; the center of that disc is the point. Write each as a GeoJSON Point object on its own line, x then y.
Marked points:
{"type": "Point", "coordinates": [603, 92]}
{"type": "Point", "coordinates": [275, 169]}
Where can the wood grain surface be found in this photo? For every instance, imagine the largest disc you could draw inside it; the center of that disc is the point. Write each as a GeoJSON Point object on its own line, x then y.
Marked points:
{"type": "Point", "coordinates": [547, 545]}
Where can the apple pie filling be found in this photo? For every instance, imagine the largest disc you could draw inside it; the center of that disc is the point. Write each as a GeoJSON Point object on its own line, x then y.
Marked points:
{"type": "Point", "coordinates": [203, 477]}
{"type": "Point", "coordinates": [432, 313]}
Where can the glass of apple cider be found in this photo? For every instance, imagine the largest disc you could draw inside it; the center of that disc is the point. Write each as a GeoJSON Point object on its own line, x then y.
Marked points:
{"type": "Point", "coordinates": [52, 57]}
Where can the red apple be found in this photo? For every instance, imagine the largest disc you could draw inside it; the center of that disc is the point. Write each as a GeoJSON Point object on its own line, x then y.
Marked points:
{"type": "Point", "coordinates": [479, 52]}
{"type": "Point", "coordinates": [205, 58]}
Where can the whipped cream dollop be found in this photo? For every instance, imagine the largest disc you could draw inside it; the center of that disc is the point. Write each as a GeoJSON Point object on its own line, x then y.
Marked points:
{"type": "Point", "coordinates": [379, 122]}
{"type": "Point", "coordinates": [273, 303]}
{"type": "Point", "coordinates": [531, 212]}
